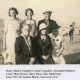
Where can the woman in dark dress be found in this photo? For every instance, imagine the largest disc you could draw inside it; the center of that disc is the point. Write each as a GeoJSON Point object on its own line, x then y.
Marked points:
{"type": "Point", "coordinates": [24, 47]}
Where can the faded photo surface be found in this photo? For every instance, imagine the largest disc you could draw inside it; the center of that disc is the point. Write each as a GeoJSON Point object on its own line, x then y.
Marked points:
{"type": "Point", "coordinates": [39, 32]}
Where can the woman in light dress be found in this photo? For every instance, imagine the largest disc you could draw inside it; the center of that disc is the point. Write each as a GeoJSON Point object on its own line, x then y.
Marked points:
{"type": "Point", "coordinates": [29, 13]}
{"type": "Point", "coordinates": [11, 31]}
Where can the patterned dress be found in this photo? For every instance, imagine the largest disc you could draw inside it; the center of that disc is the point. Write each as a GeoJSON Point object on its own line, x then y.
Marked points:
{"type": "Point", "coordinates": [12, 29]}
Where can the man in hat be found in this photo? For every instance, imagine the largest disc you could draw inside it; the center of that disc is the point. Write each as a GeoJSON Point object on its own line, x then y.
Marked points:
{"type": "Point", "coordinates": [44, 47]}
{"type": "Point", "coordinates": [49, 22]}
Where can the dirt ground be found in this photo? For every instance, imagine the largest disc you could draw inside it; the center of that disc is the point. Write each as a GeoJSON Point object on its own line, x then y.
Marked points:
{"type": "Point", "coordinates": [72, 52]}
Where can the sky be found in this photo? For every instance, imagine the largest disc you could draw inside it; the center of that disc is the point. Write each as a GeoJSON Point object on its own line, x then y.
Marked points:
{"type": "Point", "coordinates": [64, 11]}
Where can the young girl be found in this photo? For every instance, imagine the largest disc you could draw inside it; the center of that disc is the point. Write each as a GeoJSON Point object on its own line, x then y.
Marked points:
{"type": "Point", "coordinates": [57, 42]}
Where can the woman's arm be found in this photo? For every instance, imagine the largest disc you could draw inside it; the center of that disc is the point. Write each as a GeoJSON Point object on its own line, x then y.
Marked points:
{"type": "Point", "coordinates": [61, 49]}
{"type": "Point", "coordinates": [4, 36]}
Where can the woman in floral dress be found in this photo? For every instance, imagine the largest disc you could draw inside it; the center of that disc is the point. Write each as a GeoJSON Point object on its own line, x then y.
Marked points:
{"type": "Point", "coordinates": [29, 13]}
{"type": "Point", "coordinates": [11, 31]}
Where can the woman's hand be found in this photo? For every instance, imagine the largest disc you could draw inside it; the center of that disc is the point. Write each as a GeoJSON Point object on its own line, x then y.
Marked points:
{"type": "Point", "coordinates": [58, 54]}
{"type": "Point", "coordinates": [32, 60]}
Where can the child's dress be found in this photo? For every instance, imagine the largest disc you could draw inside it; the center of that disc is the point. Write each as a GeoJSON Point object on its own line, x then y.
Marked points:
{"type": "Point", "coordinates": [57, 43]}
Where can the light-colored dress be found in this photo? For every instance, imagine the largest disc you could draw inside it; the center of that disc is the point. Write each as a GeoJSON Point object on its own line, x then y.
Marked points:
{"type": "Point", "coordinates": [33, 28]}
{"type": "Point", "coordinates": [57, 44]}
{"type": "Point", "coordinates": [12, 29]}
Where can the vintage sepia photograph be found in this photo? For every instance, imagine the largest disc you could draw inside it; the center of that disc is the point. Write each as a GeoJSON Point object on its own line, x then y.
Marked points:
{"type": "Point", "coordinates": [39, 32]}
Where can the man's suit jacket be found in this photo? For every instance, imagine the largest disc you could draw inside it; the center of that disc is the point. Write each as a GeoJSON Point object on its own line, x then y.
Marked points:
{"type": "Point", "coordinates": [52, 24]}
{"type": "Point", "coordinates": [22, 50]}
{"type": "Point", "coordinates": [43, 47]}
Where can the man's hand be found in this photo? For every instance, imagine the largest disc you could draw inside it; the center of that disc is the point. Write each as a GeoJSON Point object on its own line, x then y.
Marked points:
{"type": "Point", "coordinates": [45, 57]}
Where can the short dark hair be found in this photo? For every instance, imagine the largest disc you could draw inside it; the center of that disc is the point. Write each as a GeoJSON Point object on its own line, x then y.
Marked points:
{"type": "Point", "coordinates": [29, 9]}
{"type": "Point", "coordinates": [14, 9]}
{"type": "Point", "coordinates": [23, 26]}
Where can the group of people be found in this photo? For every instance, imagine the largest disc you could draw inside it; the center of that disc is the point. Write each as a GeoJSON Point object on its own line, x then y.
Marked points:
{"type": "Point", "coordinates": [25, 42]}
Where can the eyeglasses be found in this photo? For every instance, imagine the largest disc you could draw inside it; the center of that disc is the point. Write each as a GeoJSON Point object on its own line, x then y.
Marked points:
{"type": "Point", "coordinates": [55, 39]}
